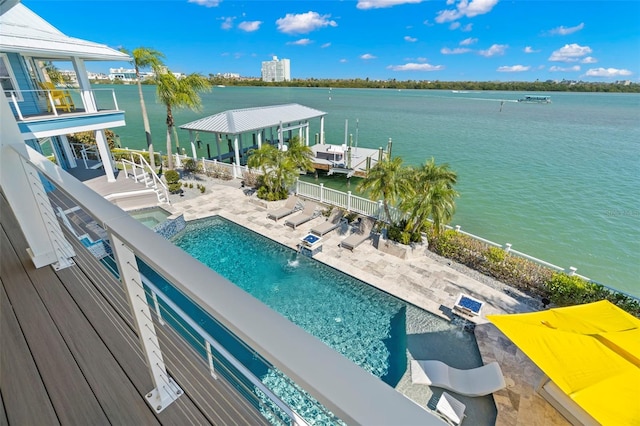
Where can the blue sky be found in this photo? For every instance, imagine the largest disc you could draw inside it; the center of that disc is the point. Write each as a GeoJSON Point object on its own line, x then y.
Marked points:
{"type": "Point", "coordinates": [478, 40]}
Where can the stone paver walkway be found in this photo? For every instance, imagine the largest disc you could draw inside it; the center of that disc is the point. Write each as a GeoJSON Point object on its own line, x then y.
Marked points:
{"type": "Point", "coordinates": [419, 280]}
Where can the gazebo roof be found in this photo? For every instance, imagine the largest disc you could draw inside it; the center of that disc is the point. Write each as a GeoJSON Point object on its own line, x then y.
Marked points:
{"type": "Point", "coordinates": [245, 120]}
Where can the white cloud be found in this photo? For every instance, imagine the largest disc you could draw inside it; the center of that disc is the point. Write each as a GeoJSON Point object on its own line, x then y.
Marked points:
{"type": "Point", "coordinates": [467, 28]}
{"type": "Point", "coordinates": [343, 61]}
{"type": "Point", "coordinates": [455, 25]}
{"type": "Point", "coordinates": [250, 26]}
{"type": "Point", "coordinates": [570, 53]}
{"type": "Point", "coordinates": [301, 42]}
{"type": "Point", "coordinates": [589, 60]}
{"type": "Point", "coordinates": [304, 23]}
{"type": "Point", "coordinates": [566, 31]}
{"type": "Point", "coordinates": [227, 23]}
{"type": "Point", "coordinates": [494, 50]}
{"type": "Point", "coordinates": [456, 51]}
{"type": "Point", "coordinates": [529, 49]}
{"type": "Point", "coordinates": [513, 68]}
{"type": "Point", "coordinates": [468, 41]}
{"type": "Point", "coordinates": [206, 3]}
{"type": "Point", "coordinates": [411, 66]}
{"type": "Point", "coordinates": [381, 4]}
{"type": "Point", "coordinates": [367, 56]}
{"type": "Point", "coordinates": [556, 68]}
{"type": "Point", "coordinates": [324, 46]}
{"type": "Point", "coordinates": [607, 72]}
{"type": "Point", "coordinates": [465, 8]}
{"type": "Point", "coordinates": [410, 39]}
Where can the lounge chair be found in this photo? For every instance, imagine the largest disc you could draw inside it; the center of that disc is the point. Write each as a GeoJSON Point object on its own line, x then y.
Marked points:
{"type": "Point", "coordinates": [333, 221]}
{"type": "Point", "coordinates": [362, 234]}
{"type": "Point", "coordinates": [451, 408]}
{"type": "Point", "coordinates": [289, 207]}
{"type": "Point", "coordinates": [478, 381]}
{"type": "Point", "coordinates": [308, 213]}
{"type": "Point", "coordinates": [61, 98]}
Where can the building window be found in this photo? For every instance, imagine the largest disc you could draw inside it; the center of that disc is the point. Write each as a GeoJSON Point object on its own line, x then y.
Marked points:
{"type": "Point", "coordinates": [7, 79]}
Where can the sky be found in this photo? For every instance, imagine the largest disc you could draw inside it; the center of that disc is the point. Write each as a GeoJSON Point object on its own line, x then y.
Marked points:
{"type": "Point", "coordinates": [453, 40]}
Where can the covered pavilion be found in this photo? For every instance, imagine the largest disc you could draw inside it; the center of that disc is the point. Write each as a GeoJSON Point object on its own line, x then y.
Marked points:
{"type": "Point", "coordinates": [259, 123]}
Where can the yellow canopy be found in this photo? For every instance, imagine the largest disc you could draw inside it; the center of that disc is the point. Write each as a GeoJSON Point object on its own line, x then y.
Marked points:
{"type": "Point", "coordinates": [591, 352]}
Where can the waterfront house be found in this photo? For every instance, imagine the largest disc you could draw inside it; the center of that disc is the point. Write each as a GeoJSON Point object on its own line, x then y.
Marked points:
{"type": "Point", "coordinates": [86, 337]}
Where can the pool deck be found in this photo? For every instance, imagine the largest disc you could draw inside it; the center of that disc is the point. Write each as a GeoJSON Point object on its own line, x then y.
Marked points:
{"type": "Point", "coordinates": [421, 280]}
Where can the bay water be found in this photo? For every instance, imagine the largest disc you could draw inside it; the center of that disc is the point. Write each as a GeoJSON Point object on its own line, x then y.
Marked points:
{"type": "Point", "coordinates": [559, 181]}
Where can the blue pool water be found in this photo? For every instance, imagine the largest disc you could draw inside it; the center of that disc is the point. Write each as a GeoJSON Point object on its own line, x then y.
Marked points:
{"type": "Point", "coordinates": [373, 329]}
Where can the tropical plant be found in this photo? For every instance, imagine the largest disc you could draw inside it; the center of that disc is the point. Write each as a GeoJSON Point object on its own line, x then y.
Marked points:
{"type": "Point", "coordinates": [89, 138]}
{"type": "Point", "coordinates": [144, 57]}
{"type": "Point", "coordinates": [176, 92]}
{"type": "Point", "coordinates": [280, 168]}
{"type": "Point", "coordinates": [387, 180]}
{"type": "Point", "coordinates": [432, 197]}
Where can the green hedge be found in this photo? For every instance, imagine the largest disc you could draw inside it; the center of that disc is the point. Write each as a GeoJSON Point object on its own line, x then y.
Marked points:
{"type": "Point", "coordinates": [534, 279]}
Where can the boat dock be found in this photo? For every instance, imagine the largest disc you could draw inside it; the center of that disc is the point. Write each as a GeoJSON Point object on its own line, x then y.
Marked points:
{"type": "Point", "coordinates": [352, 161]}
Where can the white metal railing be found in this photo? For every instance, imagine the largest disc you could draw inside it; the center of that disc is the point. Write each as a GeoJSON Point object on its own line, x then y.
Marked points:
{"type": "Point", "coordinates": [374, 209]}
{"type": "Point", "coordinates": [141, 171]}
{"type": "Point", "coordinates": [72, 101]}
{"type": "Point", "coordinates": [340, 385]}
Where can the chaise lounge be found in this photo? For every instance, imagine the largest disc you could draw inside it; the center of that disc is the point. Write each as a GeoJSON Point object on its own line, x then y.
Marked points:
{"type": "Point", "coordinates": [362, 234]}
{"type": "Point", "coordinates": [333, 221]}
{"type": "Point", "coordinates": [478, 381]}
{"type": "Point", "coordinates": [308, 213]}
{"type": "Point", "coordinates": [289, 207]}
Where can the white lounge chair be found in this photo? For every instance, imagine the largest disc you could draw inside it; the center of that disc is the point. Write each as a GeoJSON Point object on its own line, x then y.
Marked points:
{"type": "Point", "coordinates": [451, 408]}
{"type": "Point", "coordinates": [333, 221]}
{"type": "Point", "coordinates": [478, 381]}
{"type": "Point", "coordinates": [307, 214]}
{"type": "Point", "coordinates": [289, 207]}
{"type": "Point", "coordinates": [362, 234]}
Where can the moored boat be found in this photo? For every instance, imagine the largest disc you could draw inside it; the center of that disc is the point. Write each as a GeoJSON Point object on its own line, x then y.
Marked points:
{"type": "Point", "coordinates": [535, 99]}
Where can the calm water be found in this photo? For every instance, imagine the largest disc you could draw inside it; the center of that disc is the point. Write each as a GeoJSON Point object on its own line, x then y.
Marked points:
{"type": "Point", "coordinates": [368, 326]}
{"type": "Point", "coordinates": [560, 182]}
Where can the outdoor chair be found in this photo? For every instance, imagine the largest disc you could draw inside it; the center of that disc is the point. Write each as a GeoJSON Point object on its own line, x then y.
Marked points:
{"type": "Point", "coordinates": [451, 408]}
{"type": "Point", "coordinates": [478, 381]}
{"type": "Point", "coordinates": [289, 207]}
{"type": "Point", "coordinates": [362, 234]}
{"type": "Point", "coordinates": [61, 98]}
{"type": "Point", "coordinates": [307, 214]}
{"type": "Point", "coordinates": [334, 221]}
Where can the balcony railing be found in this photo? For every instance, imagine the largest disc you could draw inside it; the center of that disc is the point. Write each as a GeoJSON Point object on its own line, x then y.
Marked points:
{"type": "Point", "coordinates": [53, 103]}
{"type": "Point", "coordinates": [168, 293]}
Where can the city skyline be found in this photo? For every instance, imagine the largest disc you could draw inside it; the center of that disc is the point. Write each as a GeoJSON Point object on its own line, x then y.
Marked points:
{"type": "Point", "coordinates": [477, 40]}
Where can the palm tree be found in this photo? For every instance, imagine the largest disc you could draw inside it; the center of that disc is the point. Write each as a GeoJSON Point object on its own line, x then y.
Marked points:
{"type": "Point", "coordinates": [433, 197]}
{"type": "Point", "coordinates": [387, 180]}
{"type": "Point", "coordinates": [144, 57]}
{"type": "Point", "coordinates": [176, 92]}
{"type": "Point", "coordinates": [280, 168]}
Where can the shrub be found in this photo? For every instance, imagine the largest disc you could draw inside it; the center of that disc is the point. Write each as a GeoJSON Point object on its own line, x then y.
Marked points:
{"type": "Point", "coordinates": [202, 189]}
{"type": "Point", "coordinates": [398, 232]}
{"type": "Point", "coordinates": [250, 179]}
{"type": "Point", "coordinates": [191, 166]}
{"type": "Point", "coordinates": [172, 176]}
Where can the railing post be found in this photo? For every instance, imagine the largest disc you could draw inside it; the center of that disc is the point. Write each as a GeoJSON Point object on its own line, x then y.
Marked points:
{"type": "Point", "coordinates": [212, 370]}
{"type": "Point", "coordinates": [572, 271]}
{"type": "Point", "coordinates": [507, 247]}
{"type": "Point", "coordinates": [322, 192]}
{"type": "Point", "coordinates": [348, 200]}
{"type": "Point", "coordinates": [457, 228]}
{"type": "Point", "coordinates": [166, 390]}
{"type": "Point", "coordinates": [380, 209]}
{"type": "Point", "coordinates": [115, 100]}
{"type": "Point", "coordinates": [15, 105]}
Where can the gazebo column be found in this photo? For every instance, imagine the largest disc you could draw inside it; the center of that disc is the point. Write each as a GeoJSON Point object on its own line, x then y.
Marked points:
{"type": "Point", "coordinates": [280, 135]}
{"type": "Point", "coordinates": [322, 131]}
{"type": "Point", "coordinates": [306, 133]}
{"type": "Point", "coordinates": [260, 139]}
{"type": "Point", "coordinates": [241, 149]}
{"type": "Point", "coordinates": [235, 150]}
{"type": "Point", "coordinates": [218, 138]}
{"type": "Point", "coordinates": [193, 146]}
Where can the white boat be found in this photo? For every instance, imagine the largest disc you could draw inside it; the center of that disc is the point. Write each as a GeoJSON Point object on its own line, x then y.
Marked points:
{"type": "Point", "coordinates": [535, 99]}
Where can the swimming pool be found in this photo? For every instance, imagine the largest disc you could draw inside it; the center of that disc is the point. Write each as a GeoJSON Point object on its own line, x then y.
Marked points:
{"type": "Point", "coordinates": [373, 329]}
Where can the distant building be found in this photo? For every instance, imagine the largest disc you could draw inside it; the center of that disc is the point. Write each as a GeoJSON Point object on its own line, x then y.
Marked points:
{"type": "Point", "coordinates": [276, 70]}
{"type": "Point", "coordinates": [128, 74]}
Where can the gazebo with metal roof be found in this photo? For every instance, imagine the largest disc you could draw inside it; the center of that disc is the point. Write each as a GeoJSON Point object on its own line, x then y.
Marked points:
{"type": "Point", "coordinates": [255, 121]}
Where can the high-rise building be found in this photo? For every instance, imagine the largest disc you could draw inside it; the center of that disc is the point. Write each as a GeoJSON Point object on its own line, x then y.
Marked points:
{"type": "Point", "coordinates": [276, 70]}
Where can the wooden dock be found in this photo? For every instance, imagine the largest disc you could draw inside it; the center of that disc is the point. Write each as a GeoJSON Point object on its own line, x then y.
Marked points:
{"type": "Point", "coordinates": [335, 159]}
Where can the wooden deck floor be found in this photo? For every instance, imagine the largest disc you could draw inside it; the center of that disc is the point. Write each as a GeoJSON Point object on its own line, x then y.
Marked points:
{"type": "Point", "coordinates": [69, 356]}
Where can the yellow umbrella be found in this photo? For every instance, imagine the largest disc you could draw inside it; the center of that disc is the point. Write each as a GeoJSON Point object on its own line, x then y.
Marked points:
{"type": "Point", "coordinates": [591, 352]}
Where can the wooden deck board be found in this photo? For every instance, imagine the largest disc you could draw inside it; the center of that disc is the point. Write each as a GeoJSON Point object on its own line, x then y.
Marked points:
{"type": "Point", "coordinates": [88, 366]}
{"type": "Point", "coordinates": [20, 377]}
{"type": "Point", "coordinates": [70, 394]}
